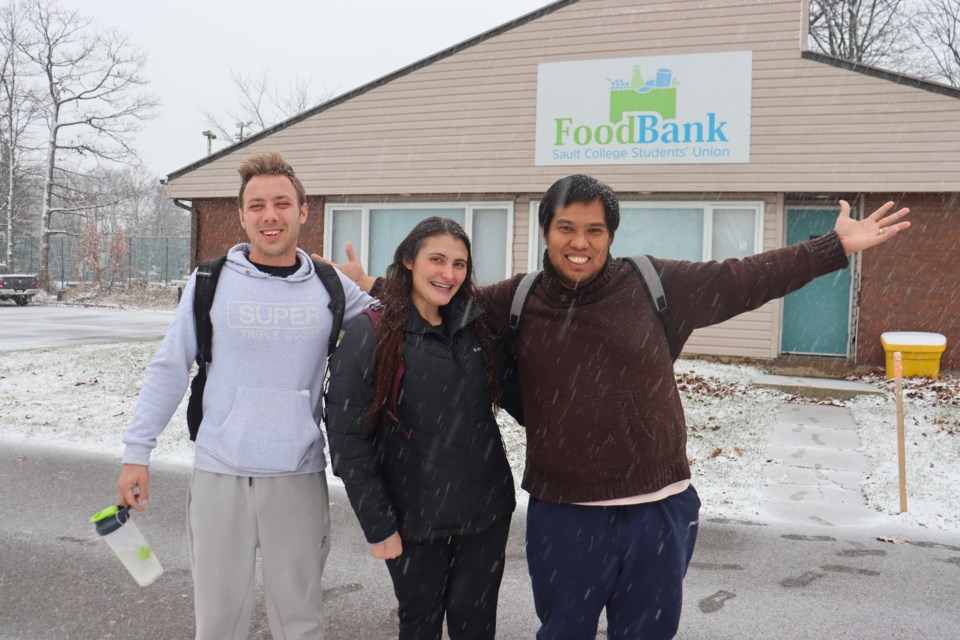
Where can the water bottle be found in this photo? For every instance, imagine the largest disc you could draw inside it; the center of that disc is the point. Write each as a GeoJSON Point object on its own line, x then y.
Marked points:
{"type": "Point", "coordinates": [121, 534]}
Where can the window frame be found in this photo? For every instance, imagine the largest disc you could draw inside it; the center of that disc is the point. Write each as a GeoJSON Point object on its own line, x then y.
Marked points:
{"type": "Point", "coordinates": [708, 206]}
{"type": "Point", "coordinates": [365, 207]}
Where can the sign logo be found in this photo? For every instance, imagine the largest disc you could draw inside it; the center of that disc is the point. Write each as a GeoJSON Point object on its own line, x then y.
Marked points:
{"type": "Point", "coordinates": [658, 96]}
{"type": "Point", "coordinates": [686, 109]}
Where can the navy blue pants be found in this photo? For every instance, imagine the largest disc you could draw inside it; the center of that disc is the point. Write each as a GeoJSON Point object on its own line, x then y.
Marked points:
{"type": "Point", "coordinates": [629, 559]}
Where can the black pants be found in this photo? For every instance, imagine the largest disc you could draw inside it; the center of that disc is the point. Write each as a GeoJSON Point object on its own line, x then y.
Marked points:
{"type": "Point", "coordinates": [459, 576]}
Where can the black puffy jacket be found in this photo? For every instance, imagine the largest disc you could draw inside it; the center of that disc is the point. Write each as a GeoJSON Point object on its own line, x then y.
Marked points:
{"type": "Point", "coordinates": [451, 475]}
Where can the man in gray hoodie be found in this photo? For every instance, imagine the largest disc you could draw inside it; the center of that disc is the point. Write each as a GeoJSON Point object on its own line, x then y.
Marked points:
{"type": "Point", "coordinates": [259, 480]}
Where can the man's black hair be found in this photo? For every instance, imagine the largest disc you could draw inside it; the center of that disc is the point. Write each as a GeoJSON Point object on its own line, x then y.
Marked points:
{"type": "Point", "coordinates": [580, 189]}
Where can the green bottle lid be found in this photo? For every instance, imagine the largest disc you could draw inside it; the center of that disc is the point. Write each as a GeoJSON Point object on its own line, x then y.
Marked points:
{"type": "Point", "coordinates": [110, 519]}
{"type": "Point", "coordinates": [106, 513]}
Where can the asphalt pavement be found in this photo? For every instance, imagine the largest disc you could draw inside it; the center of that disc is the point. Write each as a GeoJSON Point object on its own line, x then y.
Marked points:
{"type": "Point", "coordinates": [816, 566]}
{"type": "Point", "coordinates": [36, 326]}
{"type": "Point", "coordinates": [749, 579]}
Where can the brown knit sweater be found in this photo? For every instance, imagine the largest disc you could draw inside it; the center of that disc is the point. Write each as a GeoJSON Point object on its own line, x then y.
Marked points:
{"type": "Point", "coordinates": [601, 405]}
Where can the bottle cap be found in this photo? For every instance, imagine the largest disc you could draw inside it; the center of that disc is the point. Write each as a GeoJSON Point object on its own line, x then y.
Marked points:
{"type": "Point", "coordinates": [110, 519]}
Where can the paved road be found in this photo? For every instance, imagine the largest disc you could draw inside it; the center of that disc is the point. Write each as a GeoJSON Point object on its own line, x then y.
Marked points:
{"type": "Point", "coordinates": [748, 580]}
{"type": "Point", "coordinates": [56, 326]}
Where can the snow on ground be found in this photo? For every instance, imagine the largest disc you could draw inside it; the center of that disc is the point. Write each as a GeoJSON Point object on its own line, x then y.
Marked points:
{"type": "Point", "coordinates": [932, 448]}
{"type": "Point", "coordinates": [83, 397]}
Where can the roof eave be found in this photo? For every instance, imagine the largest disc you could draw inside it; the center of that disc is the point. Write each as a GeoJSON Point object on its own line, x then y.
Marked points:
{"type": "Point", "coordinates": [466, 44]}
{"type": "Point", "coordinates": [889, 76]}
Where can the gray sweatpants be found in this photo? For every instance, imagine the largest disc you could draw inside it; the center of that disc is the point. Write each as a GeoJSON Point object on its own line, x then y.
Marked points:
{"type": "Point", "coordinates": [228, 519]}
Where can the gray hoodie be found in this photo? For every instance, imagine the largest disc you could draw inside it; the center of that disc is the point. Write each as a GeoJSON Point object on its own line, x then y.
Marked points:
{"type": "Point", "coordinates": [261, 404]}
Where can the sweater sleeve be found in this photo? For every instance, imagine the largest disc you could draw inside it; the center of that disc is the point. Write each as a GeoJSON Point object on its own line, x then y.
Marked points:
{"type": "Point", "coordinates": [509, 380]}
{"type": "Point", "coordinates": [495, 301]}
{"type": "Point", "coordinates": [165, 382]}
{"type": "Point", "coordinates": [353, 442]}
{"type": "Point", "coordinates": [700, 294]}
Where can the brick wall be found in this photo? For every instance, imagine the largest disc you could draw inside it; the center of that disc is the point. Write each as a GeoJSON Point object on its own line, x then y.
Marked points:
{"type": "Point", "coordinates": [220, 227]}
{"type": "Point", "coordinates": [913, 283]}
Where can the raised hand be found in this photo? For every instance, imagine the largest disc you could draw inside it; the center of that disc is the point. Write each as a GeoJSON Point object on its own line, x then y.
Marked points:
{"type": "Point", "coordinates": [877, 228]}
{"type": "Point", "coordinates": [352, 268]}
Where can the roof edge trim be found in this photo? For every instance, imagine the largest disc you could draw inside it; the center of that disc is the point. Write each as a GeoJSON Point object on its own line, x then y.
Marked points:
{"type": "Point", "coordinates": [466, 44]}
{"type": "Point", "coordinates": [890, 76]}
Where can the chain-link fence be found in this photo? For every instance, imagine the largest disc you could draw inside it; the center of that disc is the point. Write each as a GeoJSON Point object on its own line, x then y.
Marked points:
{"type": "Point", "coordinates": [162, 259]}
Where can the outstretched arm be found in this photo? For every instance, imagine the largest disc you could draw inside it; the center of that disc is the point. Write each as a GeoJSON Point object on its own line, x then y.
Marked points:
{"type": "Point", "coordinates": [877, 228]}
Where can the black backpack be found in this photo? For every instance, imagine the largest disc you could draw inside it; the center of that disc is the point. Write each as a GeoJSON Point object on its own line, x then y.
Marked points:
{"type": "Point", "coordinates": [208, 273]}
{"type": "Point", "coordinates": [642, 264]}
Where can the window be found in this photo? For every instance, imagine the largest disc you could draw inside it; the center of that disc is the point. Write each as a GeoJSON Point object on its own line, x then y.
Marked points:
{"type": "Point", "coordinates": [376, 229]}
{"type": "Point", "coordinates": [677, 230]}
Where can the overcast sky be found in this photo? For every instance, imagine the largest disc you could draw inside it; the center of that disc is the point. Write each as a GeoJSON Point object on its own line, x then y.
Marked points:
{"type": "Point", "coordinates": [192, 45]}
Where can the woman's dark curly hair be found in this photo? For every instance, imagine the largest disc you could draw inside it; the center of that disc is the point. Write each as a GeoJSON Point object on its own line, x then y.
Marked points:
{"type": "Point", "coordinates": [395, 296]}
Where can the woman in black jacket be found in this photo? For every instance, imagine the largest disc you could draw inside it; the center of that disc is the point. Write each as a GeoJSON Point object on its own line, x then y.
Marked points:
{"type": "Point", "coordinates": [420, 452]}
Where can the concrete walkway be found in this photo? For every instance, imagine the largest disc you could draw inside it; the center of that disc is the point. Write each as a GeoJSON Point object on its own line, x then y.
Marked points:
{"type": "Point", "coordinates": [815, 467]}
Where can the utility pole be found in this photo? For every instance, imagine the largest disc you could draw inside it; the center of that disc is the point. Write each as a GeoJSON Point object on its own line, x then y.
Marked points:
{"type": "Point", "coordinates": [211, 136]}
{"type": "Point", "coordinates": [240, 127]}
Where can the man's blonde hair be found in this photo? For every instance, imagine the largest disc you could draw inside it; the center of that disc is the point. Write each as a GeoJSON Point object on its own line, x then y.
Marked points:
{"type": "Point", "coordinates": [269, 164]}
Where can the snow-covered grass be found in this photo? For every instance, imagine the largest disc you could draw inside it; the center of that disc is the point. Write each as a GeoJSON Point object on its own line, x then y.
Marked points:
{"type": "Point", "coordinates": [154, 296]}
{"type": "Point", "coordinates": [932, 448]}
{"type": "Point", "coordinates": [83, 397]}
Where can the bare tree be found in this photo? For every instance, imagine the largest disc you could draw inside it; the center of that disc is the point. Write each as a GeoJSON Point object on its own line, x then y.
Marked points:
{"type": "Point", "coordinates": [261, 103]}
{"type": "Point", "coordinates": [871, 32]}
{"type": "Point", "coordinates": [18, 114]}
{"type": "Point", "coordinates": [88, 251]}
{"type": "Point", "coordinates": [117, 254]}
{"type": "Point", "coordinates": [91, 101]}
{"type": "Point", "coordinates": [937, 29]}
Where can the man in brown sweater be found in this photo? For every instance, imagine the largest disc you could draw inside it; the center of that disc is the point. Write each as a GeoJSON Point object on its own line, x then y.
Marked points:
{"type": "Point", "coordinates": [612, 519]}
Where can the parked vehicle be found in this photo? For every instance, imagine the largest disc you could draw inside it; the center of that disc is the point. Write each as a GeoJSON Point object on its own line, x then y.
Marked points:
{"type": "Point", "coordinates": [19, 287]}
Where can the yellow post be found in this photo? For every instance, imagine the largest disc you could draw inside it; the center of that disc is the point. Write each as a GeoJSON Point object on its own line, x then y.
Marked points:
{"type": "Point", "coordinates": [898, 375]}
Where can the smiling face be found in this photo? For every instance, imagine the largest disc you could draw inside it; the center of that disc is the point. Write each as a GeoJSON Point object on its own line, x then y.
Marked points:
{"type": "Point", "coordinates": [437, 273]}
{"type": "Point", "coordinates": [272, 220]}
{"type": "Point", "coordinates": [578, 242]}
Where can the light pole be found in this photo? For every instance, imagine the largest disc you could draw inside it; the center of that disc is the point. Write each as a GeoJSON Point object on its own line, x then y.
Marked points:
{"type": "Point", "coordinates": [211, 136]}
{"type": "Point", "coordinates": [241, 126]}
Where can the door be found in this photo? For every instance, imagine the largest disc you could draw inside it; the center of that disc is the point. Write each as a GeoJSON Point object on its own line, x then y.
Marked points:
{"type": "Point", "coordinates": [816, 319]}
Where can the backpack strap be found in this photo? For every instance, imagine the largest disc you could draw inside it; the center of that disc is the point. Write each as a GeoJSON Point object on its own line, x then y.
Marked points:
{"type": "Point", "coordinates": [338, 301]}
{"type": "Point", "coordinates": [205, 286]}
{"type": "Point", "coordinates": [651, 279]}
{"type": "Point", "coordinates": [208, 273]}
{"type": "Point", "coordinates": [376, 315]}
{"type": "Point", "coordinates": [520, 297]}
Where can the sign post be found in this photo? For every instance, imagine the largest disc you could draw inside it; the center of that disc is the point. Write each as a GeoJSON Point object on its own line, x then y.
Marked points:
{"type": "Point", "coordinates": [901, 453]}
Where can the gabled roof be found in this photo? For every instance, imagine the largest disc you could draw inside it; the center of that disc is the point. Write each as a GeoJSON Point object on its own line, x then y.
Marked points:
{"type": "Point", "coordinates": [446, 53]}
{"type": "Point", "coordinates": [876, 72]}
{"type": "Point", "coordinates": [819, 124]}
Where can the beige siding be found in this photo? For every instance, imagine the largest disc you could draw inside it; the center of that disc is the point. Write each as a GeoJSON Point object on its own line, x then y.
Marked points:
{"type": "Point", "coordinates": [462, 128]}
{"type": "Point", "coordinates": [521, 234]}
{"type": "Point", "coordinates": [465, 123]}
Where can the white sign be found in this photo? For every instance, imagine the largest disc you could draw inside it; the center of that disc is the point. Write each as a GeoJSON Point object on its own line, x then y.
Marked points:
{"type": "Point", "coordinates": [679, 109]}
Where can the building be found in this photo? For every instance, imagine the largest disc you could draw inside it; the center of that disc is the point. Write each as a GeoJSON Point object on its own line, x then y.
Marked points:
{"type": "Point", "coordinates": [721, 133]}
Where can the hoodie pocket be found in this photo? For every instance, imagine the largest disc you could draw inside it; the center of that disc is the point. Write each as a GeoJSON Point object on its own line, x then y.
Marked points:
{"type": "Point", "coordinates": [267, 431]}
